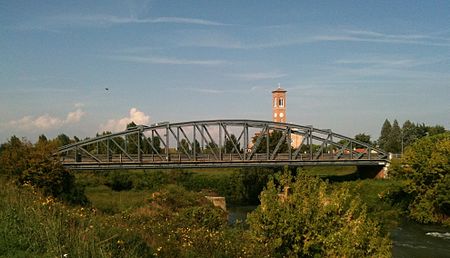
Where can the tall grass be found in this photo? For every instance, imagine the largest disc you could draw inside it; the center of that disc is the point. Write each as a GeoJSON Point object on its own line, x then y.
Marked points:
{"type": "Point", "coordinates": [113, 202]}
{"type": "Point", "coordinates": [35, 226]}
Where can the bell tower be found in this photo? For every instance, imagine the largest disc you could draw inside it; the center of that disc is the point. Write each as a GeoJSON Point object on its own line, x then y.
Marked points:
{"type": "Point", "coordinates": [279, 105]}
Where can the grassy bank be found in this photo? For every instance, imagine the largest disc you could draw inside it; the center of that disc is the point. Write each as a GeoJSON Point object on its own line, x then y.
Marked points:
{"type": "Point", "coordinates": [231, 183]}
{"type": "Point", "coordinates": [156, 216]}
{"type": "Point", "coordinates": [32, 225]}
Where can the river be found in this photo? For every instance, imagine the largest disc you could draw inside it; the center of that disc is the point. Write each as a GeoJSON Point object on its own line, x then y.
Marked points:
{"type": "Point", "coordinates": [410, 240]}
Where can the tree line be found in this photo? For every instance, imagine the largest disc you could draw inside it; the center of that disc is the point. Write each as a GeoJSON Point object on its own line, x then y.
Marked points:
{"type": "Point", "coordinates": [395, 139]}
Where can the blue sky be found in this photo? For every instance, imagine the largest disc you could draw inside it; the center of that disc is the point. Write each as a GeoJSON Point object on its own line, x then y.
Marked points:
{"type": "Point", "coordinates": [347, 65]}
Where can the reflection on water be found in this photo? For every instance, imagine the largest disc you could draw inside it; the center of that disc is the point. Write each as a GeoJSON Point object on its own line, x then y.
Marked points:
{"type": "Point", "coordinates": [411, 240]}
{"type": "Point", "coordinates": [239, 213]}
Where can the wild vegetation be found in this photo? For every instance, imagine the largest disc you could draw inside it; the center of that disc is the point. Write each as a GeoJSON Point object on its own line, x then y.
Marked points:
{"type": "Point", "coordinates": [47, 211]}
{"type": "Point", "coordinates": [425, 172]}
{"type": "Point", "coordinates": [311, 218]}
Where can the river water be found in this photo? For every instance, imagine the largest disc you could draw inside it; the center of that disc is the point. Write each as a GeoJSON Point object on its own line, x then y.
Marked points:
{"type": "Point", "coordinates": [410, 240]}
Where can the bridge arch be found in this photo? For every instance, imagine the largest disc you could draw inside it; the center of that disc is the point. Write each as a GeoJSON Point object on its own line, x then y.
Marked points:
{"type": "Point", "coordinates": [219, 143]}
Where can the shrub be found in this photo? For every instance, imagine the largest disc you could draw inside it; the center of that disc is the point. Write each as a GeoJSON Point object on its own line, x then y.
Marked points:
{"type": "Point", "coordinates": [120, 181]}
{"type": "Point", "coordinates": [149, 180]}
{"type": "Point", "coordinates": [312, 219]}
{"type": "Point", "coordinates": [426, 168]}
{"type": "Point", "coordinates": [48, 175]}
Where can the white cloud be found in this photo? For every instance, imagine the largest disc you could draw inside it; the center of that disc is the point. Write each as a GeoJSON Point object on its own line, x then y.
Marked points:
{"type": "Point", "coordinates": [377, 37]}
{"type": "Point", "coordinates": [117, 125]}
{"type": "Point", "coordinates": [184, 21]}
{"type": "Point", "coordinates": [167, 61]}
{"type": "Point", "coordinates": [46, 121]}
{"type": "Point", "coordinates": [208, 91]}
{"type": "Point", "coordinates": [274, 38]}
{"type": "Point", "coordinates": [43, 122]}
{"type": "Point", "coordinates": [74, 117]}
{"type": "Point", "coordinates": [54, 23]}
{"type": "Point", "coordinates": [79, 105]}
{"type": "Point", "coordinates": [260, 76]}
{"type": "Point", "coordinates": [109, 20]}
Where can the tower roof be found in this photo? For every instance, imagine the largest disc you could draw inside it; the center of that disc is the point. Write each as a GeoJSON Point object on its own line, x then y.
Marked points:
{"type": "Point", "coordinates": [279, 89]}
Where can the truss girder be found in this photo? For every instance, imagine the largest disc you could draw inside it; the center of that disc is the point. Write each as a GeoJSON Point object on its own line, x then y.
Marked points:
{"type": "Point", "coordinates": [210, 142]}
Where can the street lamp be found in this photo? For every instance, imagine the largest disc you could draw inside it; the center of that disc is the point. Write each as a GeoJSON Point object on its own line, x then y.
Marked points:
{"type": "Point", "coordinates": [402, 140]}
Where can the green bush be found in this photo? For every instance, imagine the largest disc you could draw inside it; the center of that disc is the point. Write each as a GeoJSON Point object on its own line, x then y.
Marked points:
{"type": "Point", "coordinates": [49, 176]}
{"type": "Point", "coordinates": [14, 156]}
{"type": "Point", "coordinates": [205, 216]}
{"type": "Point", "coordinates": [119, 181]}
{"type": "Point", "coordinates": [35, 165]}
{"type": "Point", "coordinates": [425, 167]}
{"type": "Point", "coordinates": [305, 217]}
{"type": "Point", "coordinates": [151, 180]}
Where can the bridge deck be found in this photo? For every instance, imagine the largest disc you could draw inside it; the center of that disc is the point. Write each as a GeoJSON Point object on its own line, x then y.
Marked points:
{"type": "Point", "coordinates": [208, 161]}
{"type": "Point", "coordinates": [224, 164]}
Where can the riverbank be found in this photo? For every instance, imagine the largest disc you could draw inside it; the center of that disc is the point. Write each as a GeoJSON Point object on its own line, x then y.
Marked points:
{"type": "Point", "coordinates": [121, 214]}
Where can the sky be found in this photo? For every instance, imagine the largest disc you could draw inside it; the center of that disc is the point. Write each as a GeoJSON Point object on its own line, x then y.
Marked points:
{"type": "Point", "coordinates": [82, 67]}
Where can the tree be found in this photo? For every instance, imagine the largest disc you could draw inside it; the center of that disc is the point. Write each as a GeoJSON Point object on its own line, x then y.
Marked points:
{"type": "Point", "coordinates": [394, 140]}
{"type": "Point", "coordinates": [211, 147]}
{"type": "Point", "coordinates": [36, 166]}
{"type": "Point", "coordinates": [434, 130]}
{"type": "Point", "coordinates": [131, 140]}
{"type": "Point", "coordinates": [426, 166]}
{"type": "Point", "coordinates": [306, 217]}
{"type": "Point", "coordinates": [14, 156]}
{"type": "Point", "coordinates": [184, 146]}
{"type": "Point", "coordinates": [155, 141]}
{"type": "Point", "coordinates": [274, 137]}
{"type": "Point", "coordinates": [42, 139]}
{"type": "Point", "coordinates": [63, 139]}
{"type": "Point", "coordinates": [121, 142]}
{"type": "Point", "coordinates": [52, 179]}
{"type": "Point", "coordinates": [409, 133]}
{"type": "Point", "coordinates": [422, 130]}
{"type": "Point", "coordinates": [362, 137]}
{"type": "Point", "coordinates": [385, 134]}
{"type": "Point", "coordinates": [229, 146]}
{"type": "Point", "coordinates": [196, 147]}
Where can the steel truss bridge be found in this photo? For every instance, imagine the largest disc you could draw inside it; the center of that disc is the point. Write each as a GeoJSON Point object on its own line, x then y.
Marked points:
{"type": "Point", "coordinates": [219, 143]}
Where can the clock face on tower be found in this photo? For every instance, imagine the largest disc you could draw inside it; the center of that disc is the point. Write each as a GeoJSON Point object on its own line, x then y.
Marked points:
{"type": "Point", "coordinates": [281, 115]}
{"type": "Point", "coordinates": [275, 115]}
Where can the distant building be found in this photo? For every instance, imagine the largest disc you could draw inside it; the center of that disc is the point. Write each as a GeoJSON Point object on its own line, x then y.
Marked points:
{"type": "Point", "coordinates": [279, 105]}
{"type": "Point", "coordinates": [279, 112]}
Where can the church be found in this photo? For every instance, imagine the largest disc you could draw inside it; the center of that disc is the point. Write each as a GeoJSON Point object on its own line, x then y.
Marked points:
{"type": "Point", "coordinates": [279, 113]}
